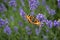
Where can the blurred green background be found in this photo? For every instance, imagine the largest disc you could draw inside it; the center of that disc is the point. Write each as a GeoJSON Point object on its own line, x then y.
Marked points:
{"type": "Point", "coordinates": [52, 34]}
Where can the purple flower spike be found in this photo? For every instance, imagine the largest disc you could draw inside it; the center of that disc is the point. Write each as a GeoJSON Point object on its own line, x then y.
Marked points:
{"type": "Point", "coordinates": [51, 12]}
{"type": "Point", "coordinates": [2, 8]}
{"type": "Point", "coordinates": [47, 8]}
{"type": "Point", "coordinates": [33, 4]}
{"type": "Point", "coordinates": [12, 3]}
{"type": "Point", "coordinates": [37, 31]}
{"type": "Point", "coordinates": [7, 30]}
{"type": "Point", "coordinates": [28, 30]}
{"type": "Point", "coordinates": [56, 23]}
{"type": "Point", "coordinates": [58, 3]}
{"type": "Point", "coordinates": [40, 17]}
{"type": "Point", "coordinates": [21, 24]}
{"type": "Point", "coordinates": [16, 29]}
{"type": "Point", "coordinates": [59, 23]}
{"type": "Point", "coordinates": [6, 21]}
{"type": "Point", "coordinates": [22, 13]}
{"type": "Point", "coordinates": [2, 22]}
{"type": "Point", "coordinates": [43, 2]}
{"type": "Point", "coordinates": [49, 23]}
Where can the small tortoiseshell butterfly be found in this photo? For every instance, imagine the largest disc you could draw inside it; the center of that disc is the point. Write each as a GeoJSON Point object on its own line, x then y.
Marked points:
{"type": "Point", "coordinates": [32, 20]}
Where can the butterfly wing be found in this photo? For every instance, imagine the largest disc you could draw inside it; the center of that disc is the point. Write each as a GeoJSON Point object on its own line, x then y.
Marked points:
{"type": "Point", "coordinates": [32, 20]}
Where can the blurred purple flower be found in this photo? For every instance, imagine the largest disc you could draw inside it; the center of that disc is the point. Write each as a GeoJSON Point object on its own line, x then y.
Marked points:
{"type": "Point", "coordinates": [49, 23]}
{"type": "Point", "coordinates": [56, 23]}
{"type": "Point", "coordinates": [28, 30]}
{"type": "Point", "coordinates": [59, 23]}
{"type": "Point", "coordinates": [20, 23]}
{"type": "Point", "coordinates": [37, 31]}
{"type": "Point", "coordinates": [22, 13]}
{"type": "Point", "coordinates": [42, 24]}
{"type": "Point", "coordinates": [52, 12]}
{"type": "Point", "coordinates": [33, 4]}
{"type": "Point", "coordinates": [47, 8]}
{"type": "Point", "coordinates": [2, 22]}
{"type": "Point", "coordinates": [12, 3]}
{"type": "Point", "coordinates": [22, 2]}
{"type": "Point", "coordinates": [7, 30]}
{"type": "Point", "coordinates": [2, 7]}
{"type": "Point", "coordinates": [58, 3]}
{"type": "Point", "coordinates": [43, 2]}
{"type": "Point", "coordinates": [6, 21]}
{"type": "Point", "coordinates": [47, 30]}
{"type": "Point", "coordinates": [40, 17]}
{"type": "Point", "coordinates": [16, 29]}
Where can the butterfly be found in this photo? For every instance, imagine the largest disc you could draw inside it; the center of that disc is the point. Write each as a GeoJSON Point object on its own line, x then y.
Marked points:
{"type": "Point", "coordinates": [33, 20]}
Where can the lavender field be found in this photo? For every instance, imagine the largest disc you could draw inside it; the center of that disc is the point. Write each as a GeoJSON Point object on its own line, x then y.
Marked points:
{"type": "Point", "coordinates": [15, 26]}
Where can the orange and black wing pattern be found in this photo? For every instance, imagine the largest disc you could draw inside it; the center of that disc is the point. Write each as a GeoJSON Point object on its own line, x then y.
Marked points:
{"type": "Point", "coordinates": [32, 20]}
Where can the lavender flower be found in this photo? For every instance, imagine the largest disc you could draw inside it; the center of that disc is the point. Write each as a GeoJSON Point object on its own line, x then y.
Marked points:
{"type": "Point", "coordinates": [33, 4]}
{"type": "Point", "coordinates": [28, 30]}
{"type": "Point", "coordinates": [20, 23]}
{"type": "Point", "coordinates": [43, 2]}
{"type": "Point", "coordinates": [6, 21]}
{"type": "Point", "coordinates": [37, 31]}
{"type": "Point", "coordinates": [52, 12]}
{"type": "Point", "coordinates": [56, 23]}
{"type": "Point", "coordinates": [16, 29]}
{"type": "Point", "coordinates": [2, 22]}
{"type": "Point", "coordinates": [22, 2]}
{"type": "Point", "coordinates": [47, 7]}
{"type": "Point", "coordinates": [22, 13]}
{"type": "Point", "coordinates": [58, 3]}
{"type": "Point", "coordinates": [49, 23]}
{"type": "Point", "coordinates": [7, 30]}
{"type": "Point", "coordinates": [12, 3]}
{"type": "Point", "coordinates": [40, 17]}
{"type": "Point", "coordinates": [2, 8]}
